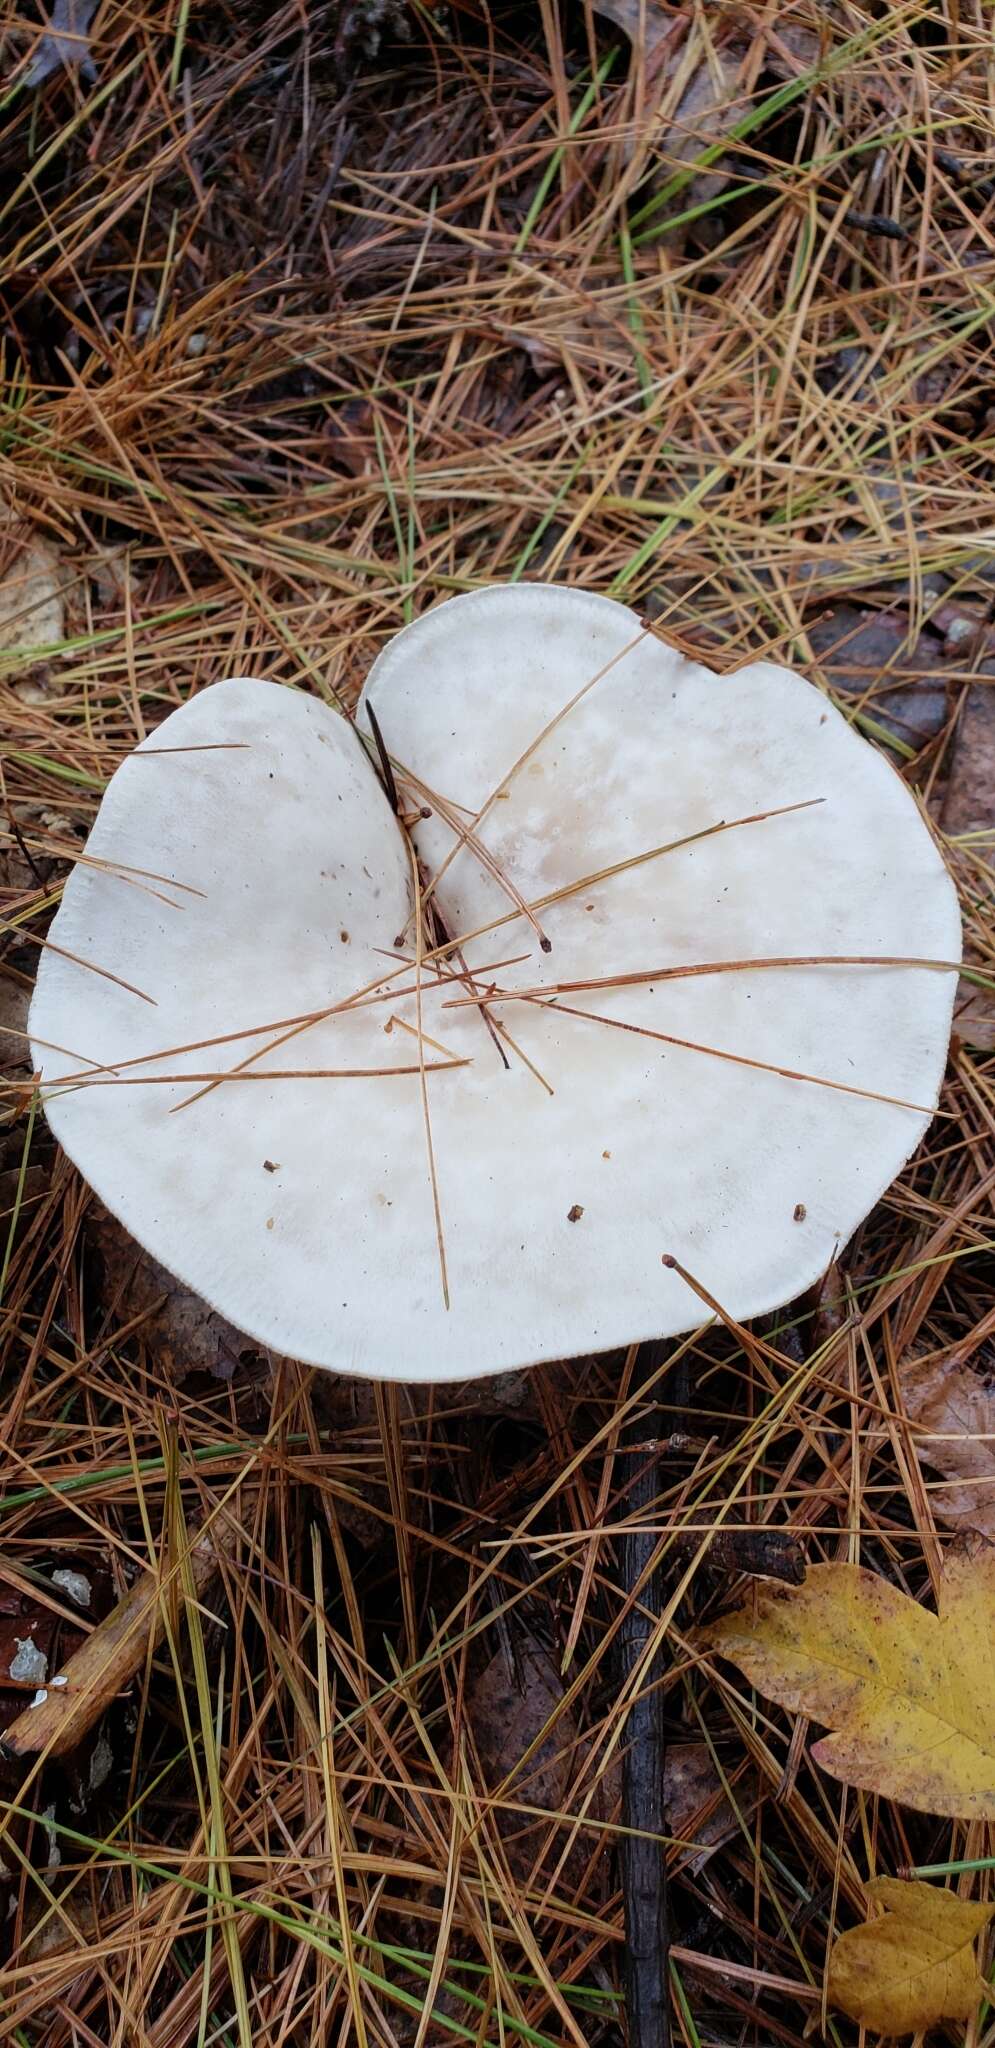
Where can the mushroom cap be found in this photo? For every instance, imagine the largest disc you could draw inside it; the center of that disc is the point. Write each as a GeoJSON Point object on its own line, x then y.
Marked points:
{"type": "Point", "coordinates": [679, 1124]}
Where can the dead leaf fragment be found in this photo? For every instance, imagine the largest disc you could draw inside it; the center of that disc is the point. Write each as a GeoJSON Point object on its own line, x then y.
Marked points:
{"type": "Point", "coordinates": [969, 805]}
{"type": "Point", "coordinates": [907, 1693]}
{"type": "Point", "coordinates": [72, 1927]}
{"type": "Point", "coordinates": [974, 1016]}
{"type": "Point", "coordinates": [953, 1407]}
{"type": "Point", "coordinates": [914, 1966]}
{"type": "Point", "coordinates": [709, 89]}
{"type": "Point", "coordinates": [706, 111]}
{"type": "Point", "coordinates": [708, 108]}
{"type": "Point", "coordinates": [15, 1050]}
{"type": "Point", "coordinates": [699, 1810]}
{"type": "Point", "coordinates": [791, 48]}
{"type": "Point", "coordinates": [528, 1744]}
{"type": "Point", "coordinates": [66, 42]}
{"type": "Point", "coordinates": [33, 582]}
{"type": "Point", "coordinates": [643, 21]}
{"type": "Point", "coordinates": [184, 1335]}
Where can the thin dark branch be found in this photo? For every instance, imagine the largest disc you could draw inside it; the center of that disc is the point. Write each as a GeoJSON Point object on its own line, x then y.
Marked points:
{"type": "Point", "coordinates": [643, 1862]}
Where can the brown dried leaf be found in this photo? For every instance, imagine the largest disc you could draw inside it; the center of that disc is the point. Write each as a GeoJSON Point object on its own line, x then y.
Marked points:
{"type": "Point", "coordinates": [698, 1808]}
{"type": "Point", "coordinates": [644, 21]}
{"type": "Point", "coordinates": [709, 104]}
{"type": "Point", "coordinates": [791, 47]}
{"type": "Point", "coordinates": [953, 1408]}
{"type": "Point", "coordinates": [72, 1927]}
{"type": "Point", "coordinates": [914, 1966]}
{"type": "Point", "coordinates": [707, 109]}
{"type": "Point", "coordinates": [969, 805]}
{"type": "Point", "coordinates": [67, 1933]}
{"type": "Point", "coordinates": [974, 1017]}
{"type": "Point", "coordinates": [509, 1711]}
{"type": "Point", "coordinates": [858, 646]}
{"type": "Point", "coordinates": [15, 1054]}
{"type": "Point", "coordinates": [182, 1332]}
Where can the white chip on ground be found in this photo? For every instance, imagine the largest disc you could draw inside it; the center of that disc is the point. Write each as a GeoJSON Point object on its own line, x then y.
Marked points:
{"type": "Point", "coordinates": [29, 1664]}
{"type": "Point", "coordinates": [75, 1584]}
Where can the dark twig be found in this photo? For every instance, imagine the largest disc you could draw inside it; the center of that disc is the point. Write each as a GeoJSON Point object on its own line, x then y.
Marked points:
{"type": "Point", "coordinates": [25, 850]}
{"type": "Point", "coordinates": [760, 1553]}
{"type": "Point", "coordinates": [970, 180]}
{"type": "Point", "coordinates": [877, 224]}
{"type": "Point", "coordinates": [643, 1865]}
{"type": "Point", "coordinates": [386, 771]}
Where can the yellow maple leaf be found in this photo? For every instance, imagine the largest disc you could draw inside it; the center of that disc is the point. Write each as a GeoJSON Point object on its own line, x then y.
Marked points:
{"type": "Point", "coordinates": [915, 1965]}
{"type": "Point", "coordinates": [907, 1693]}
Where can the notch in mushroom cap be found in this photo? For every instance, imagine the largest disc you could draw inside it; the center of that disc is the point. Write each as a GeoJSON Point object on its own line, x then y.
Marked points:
{"type": "Point", "coordinates": [689, 994]}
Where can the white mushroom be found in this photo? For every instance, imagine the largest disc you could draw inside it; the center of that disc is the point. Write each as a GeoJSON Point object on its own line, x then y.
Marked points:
{"type": "Point", "coordinates": [742, 1120]}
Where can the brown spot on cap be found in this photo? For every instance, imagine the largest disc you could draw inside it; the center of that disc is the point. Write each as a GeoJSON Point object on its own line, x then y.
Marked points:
{"type": "Point", "coordinates": [574, 1215]}
{"type": "Point", "coordinates": [800, 1212]}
